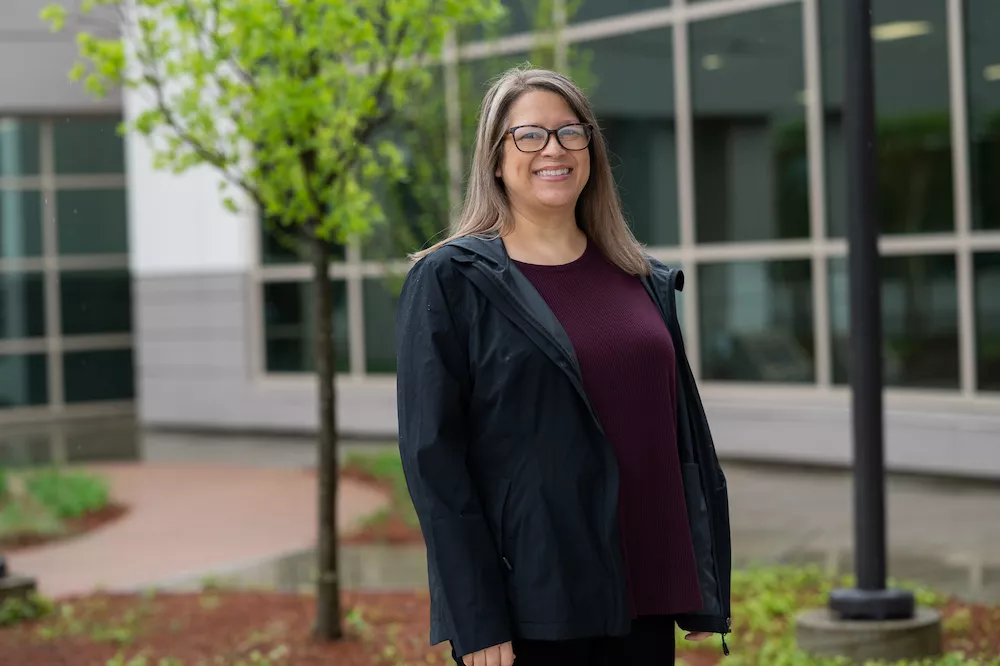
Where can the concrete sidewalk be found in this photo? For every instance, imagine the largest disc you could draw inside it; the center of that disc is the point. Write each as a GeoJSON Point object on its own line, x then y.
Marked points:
{"type": "Point", "coordinates": [188, 520]}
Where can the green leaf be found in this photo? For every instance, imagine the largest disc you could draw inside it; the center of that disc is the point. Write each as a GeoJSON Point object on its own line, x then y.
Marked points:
{"type": "Point", "coordinates": [55, 16]}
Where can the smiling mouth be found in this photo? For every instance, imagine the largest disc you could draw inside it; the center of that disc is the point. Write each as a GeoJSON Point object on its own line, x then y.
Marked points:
{"type": "Point", "coordinates": [553, 172]}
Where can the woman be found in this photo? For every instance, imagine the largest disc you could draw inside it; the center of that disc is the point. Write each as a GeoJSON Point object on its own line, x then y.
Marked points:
{"type": "Point", "coordinates": [552, 436]}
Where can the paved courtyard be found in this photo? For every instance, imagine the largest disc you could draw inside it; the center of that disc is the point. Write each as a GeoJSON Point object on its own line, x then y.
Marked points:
{"type": "Point", "coordinates": [246, 506]}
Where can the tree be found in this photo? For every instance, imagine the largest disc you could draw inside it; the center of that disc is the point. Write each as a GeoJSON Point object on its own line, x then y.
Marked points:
{"type": "Point", "coordinates": [291, 102]}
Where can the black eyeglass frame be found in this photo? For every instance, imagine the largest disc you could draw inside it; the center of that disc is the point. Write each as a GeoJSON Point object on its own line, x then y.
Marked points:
{"type": "Point", "coordinates": [589, 130]}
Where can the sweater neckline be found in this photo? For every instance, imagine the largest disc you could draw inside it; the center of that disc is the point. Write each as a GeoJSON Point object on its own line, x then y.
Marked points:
{"type": "Point", "coordinates": [587, 252]}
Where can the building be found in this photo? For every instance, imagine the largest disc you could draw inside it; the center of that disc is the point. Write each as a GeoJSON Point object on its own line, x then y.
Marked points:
{"type": "Point", "coordinates": [123, 288]}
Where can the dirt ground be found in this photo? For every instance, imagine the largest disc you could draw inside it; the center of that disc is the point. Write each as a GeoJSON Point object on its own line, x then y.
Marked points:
{"type": "Point", "coordinates": [383, 629]}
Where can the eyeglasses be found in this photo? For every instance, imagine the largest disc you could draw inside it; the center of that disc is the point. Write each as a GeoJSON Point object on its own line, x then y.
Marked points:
{"type": "Point", "coordinates": [533, 138]}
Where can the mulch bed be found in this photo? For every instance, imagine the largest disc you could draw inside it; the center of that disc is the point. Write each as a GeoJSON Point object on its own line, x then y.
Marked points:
{"type": "Point", "coordinates": [382, 629]}
{"type": "Point", "coordinates": [74, 528]}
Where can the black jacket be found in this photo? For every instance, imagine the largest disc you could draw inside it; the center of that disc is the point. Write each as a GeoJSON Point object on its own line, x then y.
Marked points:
{"type": "Point", "coordinates": [513, 480]}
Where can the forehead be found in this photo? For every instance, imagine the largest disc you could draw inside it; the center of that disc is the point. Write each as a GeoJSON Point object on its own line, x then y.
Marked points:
{"type": "Point", "coordinates": [541, 107]}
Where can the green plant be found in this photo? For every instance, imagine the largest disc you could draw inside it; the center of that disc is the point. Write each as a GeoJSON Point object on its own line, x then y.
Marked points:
{"type": "Point", "coordinates": [22, 517]}
{"type": "Point", "coordinates": [766, 600]}
{"type": "Point", "coordinates": [4, 487]}
{"type": "Point", "coordinates": [14, 610]}
{"type": "Point", "coordinates": [68, 494]}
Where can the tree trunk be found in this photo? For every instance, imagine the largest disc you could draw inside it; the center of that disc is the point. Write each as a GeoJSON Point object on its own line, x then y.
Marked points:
{"type": "Point", "coordinates": [328, 622]}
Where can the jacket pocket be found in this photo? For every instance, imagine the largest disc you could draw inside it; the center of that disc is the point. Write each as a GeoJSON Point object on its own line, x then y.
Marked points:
{"type": "Point", "coordinates": [503, 493]}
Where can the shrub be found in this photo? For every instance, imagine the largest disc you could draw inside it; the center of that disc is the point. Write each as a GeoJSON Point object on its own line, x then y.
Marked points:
{"type": "Point", "coordinates": [68, 494]}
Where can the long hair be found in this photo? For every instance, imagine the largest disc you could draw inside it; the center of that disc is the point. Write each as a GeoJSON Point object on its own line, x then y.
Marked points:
{"type": "Point", "coordinates": [486, 210]}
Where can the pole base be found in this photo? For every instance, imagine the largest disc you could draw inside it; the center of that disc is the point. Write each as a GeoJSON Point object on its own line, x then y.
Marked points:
{"type": "Point", "coordinates": [821, 634]}
{"type": "Point", "coordinates": [857, 604]}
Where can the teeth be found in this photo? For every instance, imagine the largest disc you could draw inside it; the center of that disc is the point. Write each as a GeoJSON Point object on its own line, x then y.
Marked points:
{"type": "Point", "coordinates": [553, 172]}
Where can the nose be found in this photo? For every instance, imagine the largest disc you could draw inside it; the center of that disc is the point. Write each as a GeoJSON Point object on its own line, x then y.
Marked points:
{"type": "Point", "coordinates": [552, 146]}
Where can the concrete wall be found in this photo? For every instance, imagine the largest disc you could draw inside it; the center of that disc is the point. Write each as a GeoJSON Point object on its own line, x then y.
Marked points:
{"type": "Point", "coordinates": [34, 63]}
{"type": "Point", "coordinates": [195, 365]}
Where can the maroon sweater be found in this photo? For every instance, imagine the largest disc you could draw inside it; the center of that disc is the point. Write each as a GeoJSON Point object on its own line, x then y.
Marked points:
{"type": "Point", "coordinates": [627, 359]}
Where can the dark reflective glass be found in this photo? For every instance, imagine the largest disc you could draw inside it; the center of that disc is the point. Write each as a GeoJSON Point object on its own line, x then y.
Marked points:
{"type": "Point", "coordinates": [22, 305]}
{"type": "Point", "coordinates": [638, 125]}
{"type": "Point", "coordinates": [20, 224]}
{"type": "Point", "coordinates": [919, 321]}
{"type": "Point", "coordinates": [474, 78]}
{"type": "Point", "coordinates": [98, 375]}
{"type": "Point", "coordinates": [96, 302]}
{"type": "Point", "coordinates": [288, 327]}
{"type": "Point", "coordinates": [281, 245]}
{"type": "Point", "coordinates": [751, 168]}
{"type": "Point", "coordinates": [757, 321]}
{"type": "Point", "coordinates": [983, 88]}
{"type": "Point", "coordinates": [987, 298]}
{"type": "Point", "coordinates": [88, 145]}
{"type": "Point", "coordinates": [381, 296]}
{"type": "Point", "coordinates": [19, 148]}
{"type": "Point", "coordinates": [520, 16]}
{"type": "Point", "coordinates": [589, 10]}
{"type": "Point", "coordinates": [24, 380]}
{"type": "Point", "coordinates": [913, 122]}
{"type": "Point", "coordinates": [92, 221]}
{"type": "Point", "coordinates": [418, 209]}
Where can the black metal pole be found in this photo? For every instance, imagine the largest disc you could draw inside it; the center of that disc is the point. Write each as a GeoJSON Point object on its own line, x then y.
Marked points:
{"type": "Point", "coordinates": [871, 599]}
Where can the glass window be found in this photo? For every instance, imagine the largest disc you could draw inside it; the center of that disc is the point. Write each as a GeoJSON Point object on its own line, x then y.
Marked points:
{"type": "Point", "coordinates": [88, 146]}
{"type": "Point", "coordinates": [521, 16]}
{"type": "Point", "coordinates": [96, 302]}
{"type": "Point", "coordinates": [90, 376]}
{"type": "Point", "coordinates": [19, 147]}
{"type": "Point", "coordinates": [22, 305]}
{"type": "Point", "coordinates": [987, 289]}
{"type": "Point", "coordinates": [913, 122]}
{"type": "Point", "coordinates": [92, 221]}
{"type": "Point", "coordinates": [638, 123]}
{"type": "Point", "coordinates": [475, 78]}
{"type": "Point", "coordinates": [919, 321]}
{"type": "Point", "coordinates": [757, 321]}
{"type": "Point", "coordinates": [288, 327]}
{"type": "Point", "coordinates": [751, 169]}
{"type": "Point", "coordinates": [281, 245]}
{"type": "Point", "coordinates": [595, 9]}
{"type": "Point", "coordinates": [381, 295]}
{"type": "Point", "coordinates": [20, 224]}
{"type": "Point", "coordinates": [983, 57]}
{"type": "Point", "coordinates": [24, 380]}
{"type": "Point", "coordinates": [417, 210]}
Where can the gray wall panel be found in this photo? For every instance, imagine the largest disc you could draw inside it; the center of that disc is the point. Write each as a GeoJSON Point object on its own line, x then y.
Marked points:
{"type": "Point", "coordinates": [197, 377]}
{"type": "Point", "coordinates": [34, 63]}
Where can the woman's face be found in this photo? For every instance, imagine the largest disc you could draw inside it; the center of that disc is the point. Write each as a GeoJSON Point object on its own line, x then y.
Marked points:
{"type": "Point", "coordinates": [552, 178]}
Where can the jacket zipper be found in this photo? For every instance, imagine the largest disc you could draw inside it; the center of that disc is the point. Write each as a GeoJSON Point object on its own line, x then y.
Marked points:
{"type": "Point", "coordinates": [593, 413]}
{"type": "Point", "coordinates": [675, 324]}
{"type": "Point", "coordinates": [503, 512]}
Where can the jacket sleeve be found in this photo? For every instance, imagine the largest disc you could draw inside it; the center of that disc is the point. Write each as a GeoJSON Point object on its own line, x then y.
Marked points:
{"type": "Point", "coordinates": [469, 603]}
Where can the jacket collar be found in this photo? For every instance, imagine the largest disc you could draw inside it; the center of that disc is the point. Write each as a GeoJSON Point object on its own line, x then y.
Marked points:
{"type": "Point", "coordinates": [488, 265]}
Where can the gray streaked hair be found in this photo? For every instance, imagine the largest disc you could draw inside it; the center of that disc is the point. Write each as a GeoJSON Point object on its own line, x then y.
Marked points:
{"type": "Point", "coordinates": [486, 210]}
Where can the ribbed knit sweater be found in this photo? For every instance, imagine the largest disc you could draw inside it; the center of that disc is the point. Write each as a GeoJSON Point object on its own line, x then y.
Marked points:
{"type": "Point", "coordinates": [628, 364]}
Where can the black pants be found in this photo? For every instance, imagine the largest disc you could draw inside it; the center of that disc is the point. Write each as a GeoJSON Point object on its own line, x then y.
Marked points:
{"type": "Point", "coordinates": [650, 643]}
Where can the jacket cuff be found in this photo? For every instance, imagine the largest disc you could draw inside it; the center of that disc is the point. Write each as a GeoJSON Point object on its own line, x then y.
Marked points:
{"type": "Point", "coordinates": [708, 623]}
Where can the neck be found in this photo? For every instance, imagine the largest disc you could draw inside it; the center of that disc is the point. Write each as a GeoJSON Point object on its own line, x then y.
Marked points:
{"type": "Point", "coordinates": [548, 239]}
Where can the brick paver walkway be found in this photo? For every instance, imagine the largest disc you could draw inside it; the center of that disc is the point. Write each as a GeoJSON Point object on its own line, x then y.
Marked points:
{"type": "Point", "coordinates": [187, 519]}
